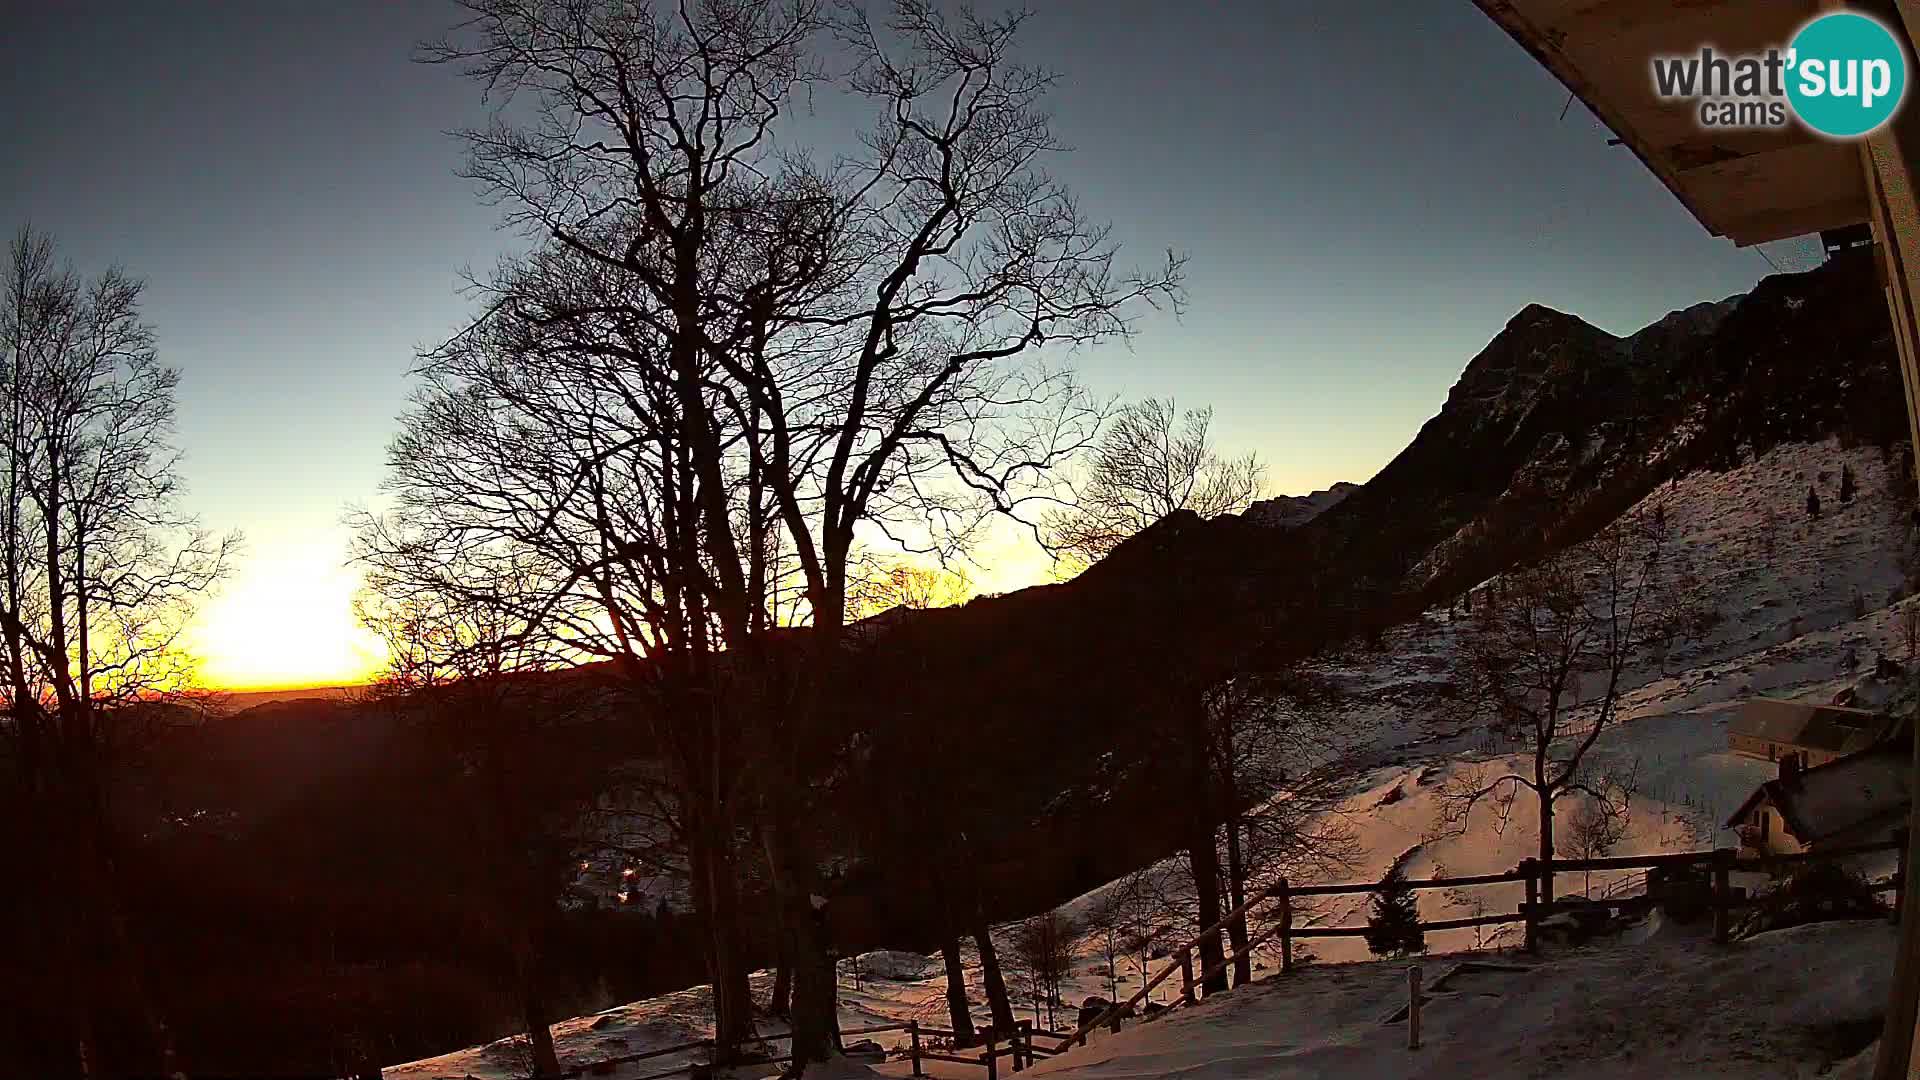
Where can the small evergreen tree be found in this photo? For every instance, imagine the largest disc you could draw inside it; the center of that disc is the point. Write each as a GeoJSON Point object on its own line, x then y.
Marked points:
{"type": "Point", "coordinates": [1846, 484]}
{"type": "Point", "coordinates": [1813, 503]}
{"type": "Point", "coordinates": [1393, 928]}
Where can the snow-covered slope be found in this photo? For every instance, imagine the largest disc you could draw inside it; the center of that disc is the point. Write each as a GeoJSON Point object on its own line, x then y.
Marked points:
{"type": "Point", "coordinates": [1792, 596]}
{"type": "Point", "coordinates": [1785, 1004]}
{"type": "Point", "coordinates": [1804, 607]}
{"type": "Point", "coordinates": [1791, 1003]}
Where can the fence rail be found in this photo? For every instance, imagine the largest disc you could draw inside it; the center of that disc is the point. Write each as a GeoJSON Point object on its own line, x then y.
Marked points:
{"type": "Point", "coordinates": [1534, 873]}
{"type": "Point", "coordinates": [1022, 1051]}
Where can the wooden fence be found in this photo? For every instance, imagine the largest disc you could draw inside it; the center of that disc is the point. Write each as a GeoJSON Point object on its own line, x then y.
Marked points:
{"type": "Point", "coordinates": [1021, 1049]}
{"type": "Point", "coordinates": [1017, 1045]}
{"type": "Point", "coordinates": [1720, 862]}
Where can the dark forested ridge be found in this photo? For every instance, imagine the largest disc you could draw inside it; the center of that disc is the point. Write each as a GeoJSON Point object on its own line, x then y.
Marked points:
{"type": "Point", "coordinates": [1024, 736]}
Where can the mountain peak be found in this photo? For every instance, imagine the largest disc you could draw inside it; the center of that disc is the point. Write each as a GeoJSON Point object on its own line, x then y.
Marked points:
{"type": "Point", "coordinates": [1292, 511]}
{"type": "Point", "coordinates": [1680, 325]}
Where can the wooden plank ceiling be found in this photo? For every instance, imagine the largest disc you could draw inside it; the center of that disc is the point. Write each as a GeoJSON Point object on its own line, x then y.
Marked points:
{"type": "Point", "coordinates": [1748, 186]}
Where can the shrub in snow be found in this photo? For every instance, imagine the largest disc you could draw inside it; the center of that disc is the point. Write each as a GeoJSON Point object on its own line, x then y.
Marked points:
{"type": "Point", "coordinates": [1818, 892]}
{"type": "Point", "coordinates": [1684, 893]}
{"type": "Point", "coordinates": [1393, 928]}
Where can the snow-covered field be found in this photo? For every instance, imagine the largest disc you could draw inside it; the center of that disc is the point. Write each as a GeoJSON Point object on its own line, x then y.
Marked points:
{"type": "Point", "coordinates": [1784, 1004]}
{"type": "Point", "coordinates": [1805, 607]}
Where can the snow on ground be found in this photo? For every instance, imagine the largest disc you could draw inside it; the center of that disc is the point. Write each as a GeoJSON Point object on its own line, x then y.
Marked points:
{"type": "Point", "coordinates": [1784, 1004]}
{"type": "Point", "coordinates": [1797, 599]}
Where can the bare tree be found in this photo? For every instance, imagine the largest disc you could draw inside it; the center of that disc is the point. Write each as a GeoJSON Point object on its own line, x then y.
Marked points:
{"type": "Point", "coordinates": [1260, 765]}
{"type": "Point", "coordinates": [102, 571]}
{"type": "Point", "coordinates": [885, 584]}
{"type": "Point", "coordinates": [1044, 949]}
{"type": "Point", "coordinates": [816, 349]}
{"type": "Point", "coordinates": [1596, 826]}
{"type": "Point", "coordinates": [1152, 460]}
{"type": "Point", "coordinates": [1281, 762]}
{"type": "Point", "coordinates": [465, 666]}
{"type": "Point", "coordinates": [1110, 922]}
{"type": "Point", "coordinates": [1547, 667]}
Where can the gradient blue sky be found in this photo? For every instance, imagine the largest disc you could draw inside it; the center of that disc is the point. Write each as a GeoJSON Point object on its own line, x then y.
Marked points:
{"type": "Point", "coordinates": [1367, 190]}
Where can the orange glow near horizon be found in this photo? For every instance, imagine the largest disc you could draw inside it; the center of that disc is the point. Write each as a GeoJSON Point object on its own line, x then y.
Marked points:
{"type": "Point", "coordinates": [285, 621]}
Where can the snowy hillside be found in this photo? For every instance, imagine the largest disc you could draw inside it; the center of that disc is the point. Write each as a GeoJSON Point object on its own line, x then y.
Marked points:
{"type": "Point", "coordinates": [1785, 1004]}
{"type": "Point", "coordinates": [1662, 1003]}
{"type": "Point", "coordinates": [1804, 607]}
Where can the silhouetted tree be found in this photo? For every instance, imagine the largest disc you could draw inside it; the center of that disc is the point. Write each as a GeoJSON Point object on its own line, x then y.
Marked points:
{"type": "Point", "coordinates": [101, 572]}
{"type": "Point", "coordinates": [464, 665]}
{"type": "Point", "coordinates": [809, 350]}
{"type": "Point", "coordinates": [959, 1009]}
{"type": "Point", "coordinates": [1547, 668]}
{"type": "Point", "coordinates": [1281, 761]}
{"type": "Point", "coordinates": [1393, 926]}
{"type": "Point", "coordinates": [1595, 827]}
{"type": "Point", "coordinates": [992, 979]}
{"type": "Point", "coordinates": [1152, 460]}
{"type": "Point", "coordinates": [1813, 503]}
{"type": "Point", "coordinates": [1044, 947]}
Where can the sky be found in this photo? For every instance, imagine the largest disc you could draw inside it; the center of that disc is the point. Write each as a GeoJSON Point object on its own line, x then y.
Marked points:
{"type": "Point", "coordinates": [1366, 192]}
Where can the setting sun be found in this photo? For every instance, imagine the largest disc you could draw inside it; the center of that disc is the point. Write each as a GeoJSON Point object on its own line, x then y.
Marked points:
{"type": "Point", "coordinates": [874, 538]}
{"type": "Point", "coordinates": [286, 619]}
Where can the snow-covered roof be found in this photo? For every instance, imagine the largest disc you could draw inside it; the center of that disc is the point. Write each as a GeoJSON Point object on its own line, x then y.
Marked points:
{"type": "Point", "coordinates": [1832, 798]}
{"type": "Point", "coordinates": [1815, 727]}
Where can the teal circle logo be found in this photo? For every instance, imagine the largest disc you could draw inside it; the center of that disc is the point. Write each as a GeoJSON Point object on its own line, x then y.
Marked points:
{"type": "Point", "coordinates": [1846, 74]}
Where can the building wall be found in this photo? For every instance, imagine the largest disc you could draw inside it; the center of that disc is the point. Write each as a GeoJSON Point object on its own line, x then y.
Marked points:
{"type": "Point", "coordinates": [1765, 821]}
{"type": "Point", "coordinates": [1766, 750]}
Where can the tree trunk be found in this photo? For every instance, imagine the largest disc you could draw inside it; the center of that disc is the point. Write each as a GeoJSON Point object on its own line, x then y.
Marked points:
{"type": "Point", "coordinates": [533, 1001]}
{"type": "Point", "coordinates": [1205, 859]}
{"type": "Point", "coordinates": [782, 1003]}
{"type": "Point", "coordinates": [803, 928]}
{"type": "Point", "coordinates": [1546, 849]}
{"type": "Point", "coordinates": [104, 921]}
{"type": "Point", "coordinates": [732, 992]}
{"type": "Point", "coordinates": [1236, 896]}
{"type": "Point", "coordinates": [959, 1010]}
{"type": "Point", "coordinates": [998, 1003]}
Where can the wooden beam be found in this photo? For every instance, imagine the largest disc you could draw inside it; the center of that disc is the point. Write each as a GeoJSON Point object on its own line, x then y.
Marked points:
{"type": "Point", "coordinates": [1519, 19]}
{"type": "Point", "coordinates": [1749, 186]}
{"type": "Point", "coordinates": [1809, 173]}
{"type": "Point", "coordinates": [1782, 225]}
{"type": "Point", "coordinates": [1890, 161]}
{"type": "Point", "coordinates": [1731, 23]}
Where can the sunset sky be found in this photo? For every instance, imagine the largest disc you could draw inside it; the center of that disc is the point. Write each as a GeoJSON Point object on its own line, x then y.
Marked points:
{"type": "Point", "coordinates": [1367, 191]}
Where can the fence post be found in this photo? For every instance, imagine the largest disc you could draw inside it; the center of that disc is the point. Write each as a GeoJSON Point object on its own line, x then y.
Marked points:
{"type": "Point", "coordinates": [1186, 976]}
{"type": "Point", "coordinates": [992, 1055]}
{"type": "Point", "coordinates": [1531, 868]}
{"type": "Point", "coordinates": [1413, 1007]}
{"type": "Point", "coordinates": [913, 1034]}
{"type": "Point", "coordinates": [1722, 895]}
{"type": "Point", "coordinates": [1022, 1041]}
{"type": "Point", "coordinates": [1900, 873]}
{"type": "Point", "coordinates": [1286, 925]}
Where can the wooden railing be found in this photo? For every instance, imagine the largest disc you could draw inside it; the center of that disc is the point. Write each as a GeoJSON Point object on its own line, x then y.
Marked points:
{"type": "Point", "coordinates": [1019, 1046]}
{"type": "Point", "coordinates": [1532, 872]}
